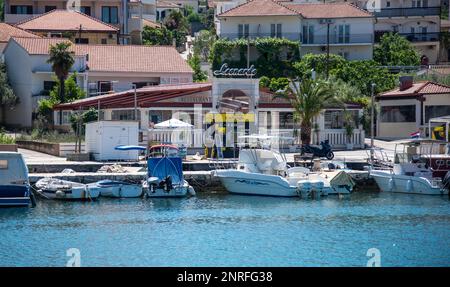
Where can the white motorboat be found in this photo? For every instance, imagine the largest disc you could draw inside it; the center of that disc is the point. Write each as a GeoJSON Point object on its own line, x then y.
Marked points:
{"type": "Point", "coordinates": [53, 188]}
{"type": "Point", "coordinates": [262, 171]}
{"type": "Point", "coordinates": [165, 174]}
{"type": "Point", "coordinates": [14, 185]}
{"type": "Point", "coordinates": [411, 172]}
{"type": "Point", "coordinates": [115, 188]}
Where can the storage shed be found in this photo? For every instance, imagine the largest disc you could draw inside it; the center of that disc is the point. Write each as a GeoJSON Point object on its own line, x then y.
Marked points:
{"type": "Point", "coordinates": [103, 136]}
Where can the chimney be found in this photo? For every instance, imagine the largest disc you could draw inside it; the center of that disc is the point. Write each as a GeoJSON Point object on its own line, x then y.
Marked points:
{"type": "Point", "coordinates": [405, 82]}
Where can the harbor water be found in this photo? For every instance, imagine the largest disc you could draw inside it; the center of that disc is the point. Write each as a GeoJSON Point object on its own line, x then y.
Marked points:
{"type": "Point", "coordinates": [231, 230]}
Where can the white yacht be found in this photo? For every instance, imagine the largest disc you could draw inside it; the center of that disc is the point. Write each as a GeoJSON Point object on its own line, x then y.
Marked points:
{"type": "Point", "coordinates": [262, 171]}
{"type": "Point", "coordinates": [412, 172]}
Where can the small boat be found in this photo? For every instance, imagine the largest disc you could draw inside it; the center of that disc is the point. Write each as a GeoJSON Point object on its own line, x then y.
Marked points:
{"type": "Point", "coordinates": [412, 171]}
{"type": "Point", "coordinates": [165, 173]}
{"type": "Point", "coordinates": [262, 171]}
{"type": "Point", "coordinates": [115, 188]}
{"type": "Point", "coordinates": [14, 185]}
{"type": "Point", "coordinates": [53, 188]}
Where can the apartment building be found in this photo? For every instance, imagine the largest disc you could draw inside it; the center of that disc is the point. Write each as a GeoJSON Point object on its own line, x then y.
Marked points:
{"type": "Point", "coordinates": [100, 69]}
{"type": "Point", "coordinates": [346, 29]}
{"type": "Point", "coordinates": [126, 15]}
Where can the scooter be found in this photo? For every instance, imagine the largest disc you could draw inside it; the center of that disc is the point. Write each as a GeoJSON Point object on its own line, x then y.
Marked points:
{"type": "Point", "coordinates": [324, 151]}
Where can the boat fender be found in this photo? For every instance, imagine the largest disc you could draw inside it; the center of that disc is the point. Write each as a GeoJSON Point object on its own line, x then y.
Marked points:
{"type": "Point", "coordinates": [33, 199]}
{"type": "Point", "coordinates": [409, 185]}
{"type": "Point", "coordinates": [391, 184]}
{"type": "Point", "coordinates": [191, 190]}
{"type": "Point", "coordinates": [60, 194]}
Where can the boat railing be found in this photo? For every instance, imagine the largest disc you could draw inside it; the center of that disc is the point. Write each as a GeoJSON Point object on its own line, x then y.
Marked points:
{"type": "Point", "coordinates": [380, 158]}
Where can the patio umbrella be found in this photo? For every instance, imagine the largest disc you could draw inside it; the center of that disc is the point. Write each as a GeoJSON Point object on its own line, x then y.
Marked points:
{"type": "Point", "coordinates": [172, 124]}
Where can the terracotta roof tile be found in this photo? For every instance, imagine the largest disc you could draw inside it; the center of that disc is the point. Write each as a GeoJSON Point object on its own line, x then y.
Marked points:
{"type": "Point", "coordinates": [130, 58]}
{"type": "Point", "coordinates": [417, 89]}
{"type": "Point", "coordinates": [7, 31]}
{"type": "Point", "coordinates": [328, 10]}
{"type": "Point", "coordinates": [64, 20]}
{"type": "Point", "coordinates": [167, 4]}
{"type": "Point", "coordinates": [259, 8]}
{"type": "Point", "coordinates": [151, 23]}
{"type": "Point", "coordinates": [39, 46]}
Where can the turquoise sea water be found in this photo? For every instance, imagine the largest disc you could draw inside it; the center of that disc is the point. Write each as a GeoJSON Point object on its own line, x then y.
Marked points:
{"type": "Point", "coordinates": [231, 230]}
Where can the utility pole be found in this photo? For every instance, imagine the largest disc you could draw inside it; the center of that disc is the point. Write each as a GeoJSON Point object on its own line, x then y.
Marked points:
{"type": "Point", "coordinates": [328, 46]}
{"type": "Point", "coordinates": [248, 51]}
{"type": "Point", "coordinates": [372, 118]}
{"type": "Point", "coordinates": [135, 103]}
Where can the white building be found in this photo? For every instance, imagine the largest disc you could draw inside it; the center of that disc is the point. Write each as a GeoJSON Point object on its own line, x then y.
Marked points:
{"type": "Point", "coordinates": [348, 30]}
{"type": "Point", "coordinates": [408, 108]}
{"type": "Point", "coordinates": [100, 68]}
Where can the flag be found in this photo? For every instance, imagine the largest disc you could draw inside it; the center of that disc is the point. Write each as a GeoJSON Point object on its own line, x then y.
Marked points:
{"type": "Point", "coordinates": [415, 135]}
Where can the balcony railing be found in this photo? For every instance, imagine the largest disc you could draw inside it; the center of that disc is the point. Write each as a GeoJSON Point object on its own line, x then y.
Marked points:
{"type": "Point", "coordinates": [404, 12]}
{"type": "Point", "coordinates": [315, 40]}
{"type": "Point", "coordinates": [412, 37]}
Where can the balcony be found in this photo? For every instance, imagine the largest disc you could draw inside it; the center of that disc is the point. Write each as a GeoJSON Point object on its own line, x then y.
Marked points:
{"type": "Point", "coordinates": [352, 39]}
{"type": "Point", "coordinates": [407, 12]}
{"type": "Point", "coordinates": [412, 37]}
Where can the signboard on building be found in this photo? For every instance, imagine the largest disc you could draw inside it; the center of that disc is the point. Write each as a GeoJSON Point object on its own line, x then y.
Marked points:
{"type": "Point", "coordinates": [235, 72]}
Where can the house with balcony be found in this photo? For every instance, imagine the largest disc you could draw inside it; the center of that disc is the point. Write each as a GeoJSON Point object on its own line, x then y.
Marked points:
{"type": "Point", "coordinates": [76, 26]}
{"type": "Point", "coordinates": [126, 15]}
{"type": "Point", "coordinates": [100, 69]}
{"type": "Point", "coordinates": [163, 9]}
{"type": "Point", "coordinates": [342, 28]}
{"type": "Point", "coordinates": [7, 31]}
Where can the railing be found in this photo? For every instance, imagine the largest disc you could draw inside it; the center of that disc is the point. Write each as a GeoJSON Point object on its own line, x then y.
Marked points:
{"type": "Point", "coordinates": [404, 12]}
{"type": "Point", "coordinates": [334, 38]}
{"type": "Point", "coordinates": [412, 37]}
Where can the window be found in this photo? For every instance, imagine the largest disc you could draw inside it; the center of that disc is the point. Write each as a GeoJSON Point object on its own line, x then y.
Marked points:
{"type": "Point", "coordinates": [398, 114]}
{"type": "Point", "coordinates": [104, 87]}
{"type": "Point", "coordinates": [49, 8]}
{"type": "Point", "coordinates": [344, 33]}
{"type": "Point", "coordinates": [85, 10]}
{"type": "Point", "coordinates": [388, 4]}
{"type": "Point", "coordinates": [65, 117]}
{"type": "Point", "coordinates": [334, 119]}
{"type": "Point", "coordinates": [55, 35]}
{"type": "Point", "coordinates": [286, 120]}
{"type": "Point", "coordinates": [140, 84]}
{"type": "Point", "coordinates": [436, 111]}
{"type": "Point", "coordinates": [104, 41]}
{"type": "Point", "coordinates": [275, 30]}
{"type": "Point", "coordinates": [110, 14]}
{"type": "Point", "coordinates": [48, 86]}
{"type": "Point", "coordinates": [308, 34]}
{"type": "Point", "coordinates": [3, 164]}
{"type": "Point", "coordinates": [124, 115]}
{"type": "Point", "coordinates": [81, 40]}
{"type": "Point", "coordinates": [21, 9]}
{"type": "Point", "coordinates": [243, 30]}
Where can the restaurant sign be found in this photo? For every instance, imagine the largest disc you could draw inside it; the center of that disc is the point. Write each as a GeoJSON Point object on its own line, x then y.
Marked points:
{"type": "Point", "coordinates": [235, 72]}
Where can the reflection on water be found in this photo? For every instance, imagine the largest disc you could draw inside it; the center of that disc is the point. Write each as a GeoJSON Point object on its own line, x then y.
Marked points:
{"type": "Point", "coordinates": [230, 230]}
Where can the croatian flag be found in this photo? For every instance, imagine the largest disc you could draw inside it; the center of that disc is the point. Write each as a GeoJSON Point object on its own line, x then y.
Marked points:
{"type": "Point", "coordinates": [415, 135]}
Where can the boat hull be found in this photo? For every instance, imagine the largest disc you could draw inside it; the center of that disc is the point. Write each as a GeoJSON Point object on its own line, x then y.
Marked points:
{"type": "Point", "coordinates": [14, 195]}
{"type": "Point", "coordinates": [388, 182]}
{"type": "Point", "coordinates": [239, 182]}
{"type": "Point", "coordinates": [116, 190]}
{"type": "Point", "coordinates": [56, 189]}
{"type": "Point", "coordinates": [177, 191]}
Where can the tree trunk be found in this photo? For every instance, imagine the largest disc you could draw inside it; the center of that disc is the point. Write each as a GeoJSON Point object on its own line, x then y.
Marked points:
{"type": "Point", "coordinates": [305, 133]}
{"type": "Point", "coordinates": [61, 97]}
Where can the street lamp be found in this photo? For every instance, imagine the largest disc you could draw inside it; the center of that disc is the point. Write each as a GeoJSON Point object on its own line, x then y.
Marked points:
{"type": "Point", "coordinates": [372, 124]}
{"type": "Point", "coordinates": [135, 101]}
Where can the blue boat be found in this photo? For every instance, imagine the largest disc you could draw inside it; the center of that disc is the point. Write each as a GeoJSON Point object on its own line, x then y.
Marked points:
{"type": "Point", "coordinates": [14, 185]}
{"type": "Point", "coordinates": [165, 173]}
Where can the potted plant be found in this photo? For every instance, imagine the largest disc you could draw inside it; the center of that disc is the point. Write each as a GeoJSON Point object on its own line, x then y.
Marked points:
{"type": "Point", "coordinates": [349, 126]}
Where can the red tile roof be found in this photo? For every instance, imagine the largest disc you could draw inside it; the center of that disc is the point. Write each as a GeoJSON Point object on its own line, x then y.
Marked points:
{"type": "Point", "coordinates": [64, 20]}
{"type": "Point", "coordinates": [131, 58]}
{"type": "Point", "coordinates": [39, 46]}
{"type": "Point", "coordinates": [151, 23]}
{"type": "Point", "coordinates": [307, 10]}
{"type": "Point", "coordinates": [166, 4]}
{"type": "Point", "coordinates": [7, 31]}
{"type": "Point", "coordinates": [259, 8]}
{"type": "Point", "coordinates": [328, 10]}
{"type": "Point", "coordinates": [417, 89]}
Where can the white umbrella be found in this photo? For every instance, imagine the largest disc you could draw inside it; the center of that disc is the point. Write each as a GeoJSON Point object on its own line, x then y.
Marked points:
{"type": "Point", "coordinates": [172, 124]}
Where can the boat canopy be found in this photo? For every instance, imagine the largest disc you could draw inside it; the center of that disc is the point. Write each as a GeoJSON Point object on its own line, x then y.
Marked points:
{"type": "Point", "coordinates": [130, 147]}
{"type": "Point", "coordinates": [12, 168]}
{"type": "Point", "coordinates": [162, 167]}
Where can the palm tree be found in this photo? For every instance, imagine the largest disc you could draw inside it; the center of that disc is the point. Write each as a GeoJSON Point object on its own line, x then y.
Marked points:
{"type": "Point", "coordinates": [308, 98]}
{"type": "Point", "coordinates": [61, 59]}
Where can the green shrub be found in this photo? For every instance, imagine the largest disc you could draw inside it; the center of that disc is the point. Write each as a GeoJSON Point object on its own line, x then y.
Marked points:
{"type": "Point", "coordinates": [5, 139]}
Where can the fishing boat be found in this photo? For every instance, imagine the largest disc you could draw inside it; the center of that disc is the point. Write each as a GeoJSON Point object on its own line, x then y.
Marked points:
{"type": "Point", "coordinates": [165, 173]}
{"type": "Point", "coordinates": [412, 171]}
{"type": "Point", "coordinates": [53, 188]}
{"type": "Point", "coordinates": [14, 185]}
{"type": "Point", "coordinates": [116, 188]}
{"type": "Point", "coordinates": [264, 171]}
